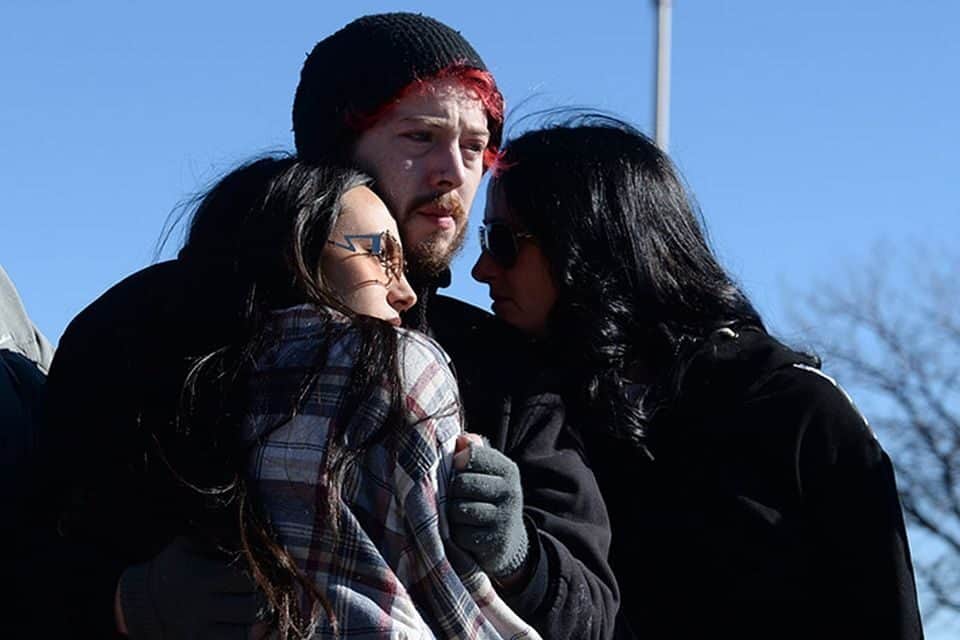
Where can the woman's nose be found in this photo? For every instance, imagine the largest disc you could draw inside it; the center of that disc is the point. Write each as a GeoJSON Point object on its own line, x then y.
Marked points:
{"type": "Point", "coordinates": [401, 295]}
{"type": "Point", "coordinates": [484, 269]}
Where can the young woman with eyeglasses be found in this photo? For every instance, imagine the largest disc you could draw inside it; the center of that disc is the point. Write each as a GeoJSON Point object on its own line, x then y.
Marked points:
{"type": "Point", "coordinates": [288, 420]}
{"type": "Point", "coordinates": [748, 498]}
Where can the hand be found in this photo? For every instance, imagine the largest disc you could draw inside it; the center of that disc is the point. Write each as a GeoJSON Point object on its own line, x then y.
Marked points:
{"type": "Point", "coordinates": [486, 509]}
{"type": "Point", "coordinates": [188, 591]}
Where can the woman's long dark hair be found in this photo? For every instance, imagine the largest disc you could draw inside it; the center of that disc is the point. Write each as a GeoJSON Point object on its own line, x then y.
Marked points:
{"type": "Point", "coordinates": [254, 245]}
{"type": "Point", "coordinates": [637, 281]}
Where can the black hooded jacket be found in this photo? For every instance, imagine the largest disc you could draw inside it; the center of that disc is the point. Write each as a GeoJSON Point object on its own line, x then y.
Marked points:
{"type": "Point", "coordinates": [768, 509]}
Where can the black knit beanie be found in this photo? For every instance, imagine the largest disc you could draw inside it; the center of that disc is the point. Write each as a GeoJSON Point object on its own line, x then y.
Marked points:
{"type": "Point", "coordinates": [362, 66]}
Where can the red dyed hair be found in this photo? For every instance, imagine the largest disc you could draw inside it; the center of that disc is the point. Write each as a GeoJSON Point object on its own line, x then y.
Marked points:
{"type": "Point", "coordinates": [477, 81]}
{"type": "Point", "coordinates": [498, 164]}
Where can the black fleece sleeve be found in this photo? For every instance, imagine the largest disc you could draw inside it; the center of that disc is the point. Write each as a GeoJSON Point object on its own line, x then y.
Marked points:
{"type": "Point", "coordinates": [571, 592]}
{"type": "Point", "coordinates": [80, 600]}
{"type": "Point", "coordinates": [857, 534]}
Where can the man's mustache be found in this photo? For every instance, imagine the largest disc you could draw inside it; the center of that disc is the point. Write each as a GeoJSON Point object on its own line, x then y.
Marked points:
{"type": "Point", "coordinates": [449, 202]}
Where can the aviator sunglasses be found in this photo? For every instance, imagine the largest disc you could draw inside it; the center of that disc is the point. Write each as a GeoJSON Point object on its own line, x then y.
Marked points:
{"type": "Point", "coordinates": [383, 246]}
{"type": "Point", "coordinates": [499, 242]}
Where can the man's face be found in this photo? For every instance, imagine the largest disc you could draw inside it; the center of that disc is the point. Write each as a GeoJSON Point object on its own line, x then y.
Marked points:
{"type": "Point", "coordinates": [426, 155]}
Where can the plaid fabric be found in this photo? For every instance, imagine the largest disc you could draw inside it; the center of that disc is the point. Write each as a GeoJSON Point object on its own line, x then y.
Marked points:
{"type": "Point", "coordinates": [389, 572]}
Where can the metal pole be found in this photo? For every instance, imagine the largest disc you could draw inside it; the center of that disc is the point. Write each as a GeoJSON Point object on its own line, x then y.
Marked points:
{"type": "Point", "coordinates": [664, 8]}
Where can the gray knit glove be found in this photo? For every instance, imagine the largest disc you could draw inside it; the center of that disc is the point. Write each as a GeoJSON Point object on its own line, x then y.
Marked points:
{"type": "Point", "coordinates": [486, 512]}
{"type": "Point", "coordinates": [188, 591]}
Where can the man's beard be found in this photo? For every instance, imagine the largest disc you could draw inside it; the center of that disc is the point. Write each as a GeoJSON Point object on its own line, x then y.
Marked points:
{"type": "Point", "coordinates": [429, 258]}
{"type": "Point", "coordinates": [433, 255]}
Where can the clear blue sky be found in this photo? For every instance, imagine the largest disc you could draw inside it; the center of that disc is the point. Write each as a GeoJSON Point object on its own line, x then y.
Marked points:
{"type": "Point", "coordinates": [808, 130]}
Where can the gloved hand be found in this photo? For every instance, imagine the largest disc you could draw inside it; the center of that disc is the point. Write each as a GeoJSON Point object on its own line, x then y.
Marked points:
{"type": "Point", "coordinates": [485, 510]}
{"type": "Point", "coordinates": [189, 591]}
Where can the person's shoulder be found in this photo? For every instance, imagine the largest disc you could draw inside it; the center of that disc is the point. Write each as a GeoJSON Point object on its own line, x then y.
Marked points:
{"type": "Point", "coordinates": [17, 331]}
{"type": "Point", "coordinates": [801, 408]}
{"type": "Point", "coordinates": [141, 284]}
{"type": "Point", "coordinates": [768, 371]}
{"type": "Point", "coordinates": [418, 351]}
{"type": "Point", "coordinates": [741, 356]}
{"type": "Point", "coordinates": [431, 396]}
{"type": "Point", "coordinates": [729, 366]}
{"type": "Point", "coordinates": [19, 367]}
{"type": "Point", "coordinates": [831, 413]}
{"type": "Point", "coordinates": [124, 320]}
{"type": "Point", "coordinates": [139, 295]}
{"type": "Point", "coordinates": [769, 386]}
{"type": "Point", "coordinates": [832, 440]}
{"type": "Point", "coordinates": [776, 402]}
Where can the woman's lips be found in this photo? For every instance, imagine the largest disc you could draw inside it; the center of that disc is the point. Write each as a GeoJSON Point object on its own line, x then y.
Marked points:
{"type": "Point", "coordinates": [497, 302]}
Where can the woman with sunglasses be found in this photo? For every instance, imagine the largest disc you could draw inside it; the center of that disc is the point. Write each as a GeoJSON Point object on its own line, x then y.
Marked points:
{"type": "Point", "coordinates": [747, 496]}
{"type": "Point", "coordinates": [288, 420]}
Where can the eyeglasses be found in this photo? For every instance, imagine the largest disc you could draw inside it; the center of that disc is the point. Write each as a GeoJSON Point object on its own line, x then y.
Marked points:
{"type": "Point", "coordinates": [499, 241]}
{"type": "Point", "coordinates": [383, 246]}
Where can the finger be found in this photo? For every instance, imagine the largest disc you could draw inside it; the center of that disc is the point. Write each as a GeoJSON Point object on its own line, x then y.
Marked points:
{"type": "Point", "coordinates": [465, 439]}
{"type": "Point", "coordinates": [472, 539]}
{"type": "Point", "coordinates": [462, 449]}
{"type": "Point", "coordinates": [489, 460]}
{"type": "Point", "coordinates": [472, 513]}
{"type": "Point", "coordinates": [479, 487]}
{"type": "Point", "coordinates": [461, 458]}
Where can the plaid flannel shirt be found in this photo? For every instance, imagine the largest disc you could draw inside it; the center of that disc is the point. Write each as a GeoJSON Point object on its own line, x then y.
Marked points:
{"type": "Point", "coordinates": [390, 572]}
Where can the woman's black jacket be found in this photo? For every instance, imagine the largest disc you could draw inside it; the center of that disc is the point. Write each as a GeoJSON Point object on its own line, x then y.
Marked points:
{"type": "Point", "coordinates": [768, 510]}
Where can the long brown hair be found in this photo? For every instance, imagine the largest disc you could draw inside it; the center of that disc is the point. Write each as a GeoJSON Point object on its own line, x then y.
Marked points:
{"type": "Point", "coordinates": [256, 239]}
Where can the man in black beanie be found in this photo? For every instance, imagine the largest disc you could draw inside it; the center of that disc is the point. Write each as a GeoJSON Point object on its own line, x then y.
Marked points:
{"type": "Point", "coordinates": [407, 99]}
